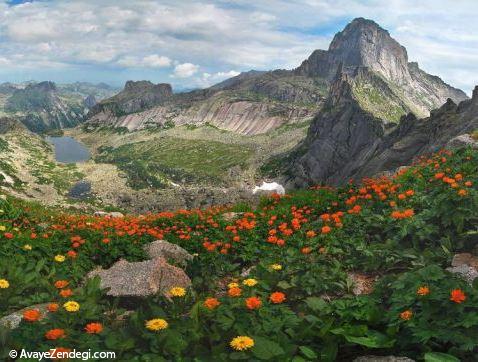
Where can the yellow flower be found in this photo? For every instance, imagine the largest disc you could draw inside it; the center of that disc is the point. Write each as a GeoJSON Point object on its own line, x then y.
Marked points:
{"type": "Point", "coordinates": [177, 292]}
{"type": "Point", "coordinates": [276, 267]}
{"type": "Point", "coordinates": [4, 284]}
{"type": "Point", "coordinates": [60, 258]}
{"type": "Point", "coordinates": [2, 228]}
{"type": "Point", "coordinates": [27, 247]}
{"type": "Point", "coordinates": [232, 285]}
{"type": "Point", "coordinates": [250, 282]}
{"type": "Point", "coordinates": [241, 343]}
{"type": "Point", "coordinates": [71, 306]}
{"type": "Point", "coordinates": [156, 324]}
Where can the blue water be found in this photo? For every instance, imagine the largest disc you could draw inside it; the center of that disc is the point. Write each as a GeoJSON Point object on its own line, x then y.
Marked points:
{"type": "Point", "coordinates": [69, 150]}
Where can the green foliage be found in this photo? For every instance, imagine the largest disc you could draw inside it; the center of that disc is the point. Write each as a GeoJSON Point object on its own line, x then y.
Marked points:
{"type": "Point", "coordinates": [313, 246]}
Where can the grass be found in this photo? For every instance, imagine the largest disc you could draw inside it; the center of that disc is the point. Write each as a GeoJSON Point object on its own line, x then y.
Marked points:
{"type": "Point", "coordinates": [153, 163]}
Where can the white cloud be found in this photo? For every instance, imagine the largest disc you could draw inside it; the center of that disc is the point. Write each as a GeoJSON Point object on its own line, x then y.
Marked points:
{"type": "Point", "coordinates": [214, 35]}
{"type": "Point", "coordinates": [185, 70]}
{"type": "Point", "coordinates": [150, 61]}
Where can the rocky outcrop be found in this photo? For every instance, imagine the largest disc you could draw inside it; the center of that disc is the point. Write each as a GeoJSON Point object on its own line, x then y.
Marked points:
{"type": "Point", "coordinates": [344, 141]}
{"type": "Point", "coordinates": [90, 101]}
{"type": "Point", "coordinates": [135, 97]}
{"type": "Point", "coordinates": [364, 44]}
{"type": "Point", "coordinates": [465, 265]}
{"type": "Point", "coordinates": [140, 279]}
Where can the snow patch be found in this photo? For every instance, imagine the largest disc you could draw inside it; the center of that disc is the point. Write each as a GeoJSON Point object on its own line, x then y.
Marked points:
{"type": "Point", "coordinates": [270, 186]}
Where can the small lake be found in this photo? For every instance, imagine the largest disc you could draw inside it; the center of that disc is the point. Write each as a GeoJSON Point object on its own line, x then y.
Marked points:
{"type": "Point", "coordinates": [69, 150]}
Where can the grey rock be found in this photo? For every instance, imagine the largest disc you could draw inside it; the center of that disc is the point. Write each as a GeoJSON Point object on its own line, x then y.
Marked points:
{"type": "Point", "coordinates": [465, 271]}
{"type": "Point", "coordinates": [141, 279]}
{"type": "Point", "coordinates": [168, 251]}
{"type": "Point", "coordinates": [383, 359]}
{"type": "Point", "coordinates": [464, 140]}
{"type": "Point", "coordinates": [112, 214]}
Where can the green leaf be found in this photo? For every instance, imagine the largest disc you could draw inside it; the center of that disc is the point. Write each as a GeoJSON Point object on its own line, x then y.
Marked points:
{"type": "Point", "coordinates": [373, 339]}
{"type": "Point", "coordinates": [265, 349]}
{"type": "Point", "coordinates": [307, 352]}
{"type": "Point", "coordinates": [316, 303]}
{"type": "Point", "coordinates": [440, 357]}
{"type": "Point", "coordinates": [284, 285]}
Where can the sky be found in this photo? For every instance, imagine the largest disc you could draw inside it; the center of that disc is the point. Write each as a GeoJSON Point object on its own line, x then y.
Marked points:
{"type": "Point", "coordinates": [194, 44]}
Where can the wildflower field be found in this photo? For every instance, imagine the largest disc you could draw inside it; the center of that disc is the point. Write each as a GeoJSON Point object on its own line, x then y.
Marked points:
{"type": "Point", "coordinates": [298, 301]}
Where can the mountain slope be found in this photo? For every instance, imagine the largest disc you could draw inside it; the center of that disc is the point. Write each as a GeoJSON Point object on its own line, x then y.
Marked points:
{"type": "Point", "coordinates": [346, 141]}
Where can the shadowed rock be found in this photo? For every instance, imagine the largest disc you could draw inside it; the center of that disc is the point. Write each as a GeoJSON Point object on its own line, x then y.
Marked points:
{"type": "Point", "coordinates": [168, 251]}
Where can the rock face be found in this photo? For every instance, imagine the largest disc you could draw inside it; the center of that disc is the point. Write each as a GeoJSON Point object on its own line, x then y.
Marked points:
{"type": "Point", "coordinates": [249, 104]}
{"type": "Point", "coordinates": [140, 279]}
{"type": "Point", "coordinates": [345, 141]}
{"type": "Point", "coordinates": [364, 44]}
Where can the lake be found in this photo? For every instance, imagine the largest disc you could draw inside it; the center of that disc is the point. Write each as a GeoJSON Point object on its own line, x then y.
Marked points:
{"type": "Point", "coordinates": [69, 150]}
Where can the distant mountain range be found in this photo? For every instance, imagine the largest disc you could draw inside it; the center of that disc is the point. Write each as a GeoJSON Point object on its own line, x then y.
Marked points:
{"type": "Point", "coordinates": [45, 106]}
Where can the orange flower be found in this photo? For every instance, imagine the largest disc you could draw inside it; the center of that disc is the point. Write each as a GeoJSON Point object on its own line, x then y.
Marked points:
{"type": "Point", "coordinates": [326, 229]}
{"type": "Point", "coordinates": [211, 303]}
{"type": "Point", "coordinates": [457, 296]}
{"type": "Point", "coordinates": [410, 192]}
{"type": "Point", "coordinates": [65, 293]}
{"type": "Point", "coordinates": [93, 328]}
{"type": "Point", "coordinates": [406, 315]}
{"type": "Point", "coordinates": [55, 334]}
{"type": "Point", "coordinates": [59, 284]}
{"type": "Point", "coordinates": [234, 292]}
{"type": "Point", "coordinates": [439, 175]}
{"type": "Point", "coordinates": [462, 192]}
{"type": "Point", "coordinates": [253, 303]}
{"type": "Point", "coordinates": [310, 234]}
{"type": "Point", "coordinates": [52, 307]}
{"type": "Point", "coordinates": [424, 290]}
{"type": "Point", "coordinates": [31, 315]}
{"type": "Point", "coordinates": [306, 250]}
{"type": "Point", "coordinates": [277, 297]}
{"type": "Point", "coordinates": [468, 183]}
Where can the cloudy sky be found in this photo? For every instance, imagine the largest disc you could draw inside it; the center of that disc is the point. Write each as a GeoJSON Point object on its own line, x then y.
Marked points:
{"type": "Point", "coordinates": [197, 43]}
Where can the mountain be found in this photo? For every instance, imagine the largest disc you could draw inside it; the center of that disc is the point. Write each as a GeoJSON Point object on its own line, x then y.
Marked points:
{"type": "Point", "coordinates": [346, 141]}
{"type": "Point", "coordinates": [390, 86]}
{"type": "Point", "coordinates": [384, 82]}
{"type": "Point", "coordinates": [40, 107]}
{"type": "Point", "coordinates": [44, 106]}
{"type": "Point", "coordinates": [250, 103]}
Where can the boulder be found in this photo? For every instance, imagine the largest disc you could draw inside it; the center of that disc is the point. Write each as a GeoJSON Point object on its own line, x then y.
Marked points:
{"type": "Point", "coordinates": [383, 359]}
{"type": "Point", "coordinates": [141, 279]}
{"type": "Point", "coordinates": [461, 141]}
{"type": "Point", "coordinates": [168, 251]}
{"type": "Point", "coordinates": [363, 284]}
{"type": "Point", "coordinates": [465, 265]}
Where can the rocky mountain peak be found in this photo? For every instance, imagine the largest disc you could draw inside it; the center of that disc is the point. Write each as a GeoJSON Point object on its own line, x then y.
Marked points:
{"type": "Point", "coordinates": [46, 86]}
{"type": "Point", "coordinates": [364, 43]}
{"type": "Point", "coordinates": [145, 85]}
{"type": "Point", "coordinates": [474, 96]}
